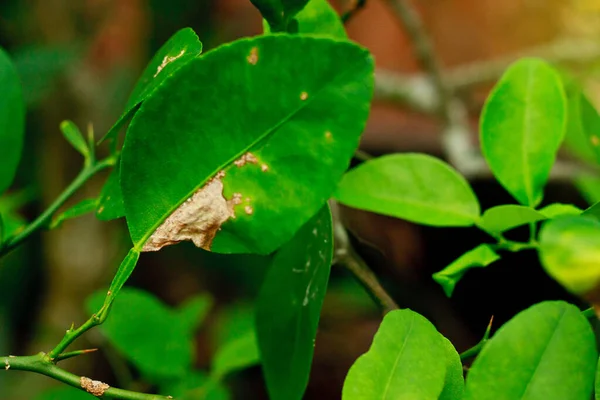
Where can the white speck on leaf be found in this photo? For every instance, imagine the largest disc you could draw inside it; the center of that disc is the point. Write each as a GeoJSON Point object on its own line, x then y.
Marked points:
{"type": "Point", "coordinates": [248, 210]}
{"type": "Point", "coordinates": [167, 60]}
{"type": "Point", "coordinates": [264, 167]}
{"type": "Point", "coordinates": [303, 96]}
{"type": "Point", "coordinates": [253, 56]}
{"type": "Point", "coordinates": [197, 220]}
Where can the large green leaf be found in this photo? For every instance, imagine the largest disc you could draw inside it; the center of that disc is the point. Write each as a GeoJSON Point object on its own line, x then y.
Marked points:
{"type": "Point", "coordinates": [317, 18]}
{"type": "Point", "coordinates": [522, 126]}
{"type": "Point", "coordinates": [546, 352]}
{"type": "Point", "coordinates": [407, 361]}
{"type": "Point", "coordinates": [156, 339]}
{"type": "Point", "coordinates": [182, 47]}
{"type": "Point", "coordinates": [481, 256]}
{"type": "Point", "coordinates": [503, 218]}
{"type": "Point", "coordinates": [12, 121]}
{"type": "Point", "coordinates": [570, 252]}
{"type": "Point", "coordinates": [255, 134]}
{"type": "Point", "coordinates": [415, 187]}
{"type": "Point", "coordinates": [289, 306]}
{"type": "Point", "coordinates": [454, 385]}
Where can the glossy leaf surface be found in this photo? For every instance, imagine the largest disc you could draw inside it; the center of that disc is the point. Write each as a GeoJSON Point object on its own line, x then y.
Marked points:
{"type": "Point", "coordinates": [503, 218]}
{"type": "Point", "coordinates": [278, 147]}
{"type": "Point", "coordinates": [12, 121]}
{"type": "Point", "coordinates": [559, 210]}
{"type": "Point", "coordinates": [415, 187]}
{"type": "Point", "coordinates": [182, 47]}
{"type": "Point", "coordinates": [454, 384]}
{"type": "Point", "coordinates": [289, 306]}
{"type": "Point", "coordinates": [546, 352]}
{"type": "Point", "coordinates": [480, 256]}
{"type": "Point", "coordinates": [405, 362]}
{"type": "Point", "coordinates": [522, 126]}
{"type": "Point", "coordinates": [570, 252]}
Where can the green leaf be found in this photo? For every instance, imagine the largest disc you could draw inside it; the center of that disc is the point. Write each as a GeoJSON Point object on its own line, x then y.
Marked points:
{"type": "Point", "coordinates": [123, 273]}
{"type": "Point", "coordinates": [597, 382]}
{"type": "Point", "coordinates": [195, 385]}
{"type": "Point", "coordinates": [73, 135]}
{"type": "Point", "coordinates": [239, 353]}
{"type": "Point", "coordinates": [151, 336]}
{"type": "Point", "coordinates": [546, 352]}
{"type": "Point", "coordinates": [110, 202]}
{"type": "Point", "coordinates": [454, 385]}
{"type": "Point", "coordinates": [289, 305]}
{"type": "Point", "coordinates": [12, 121]}
{"type": "Point", "coordinates": [480, 256]}
{"type": "Point", "coordinates": [522, 126]}
{"type": "Point", "coordinates": [232, 322]}
{"type": "Point", "coordinates": [83, 207]}
{"type": "Point", "coordinates": [593, 211]}
{"type": "Point", "coordinates": [181, 48]}
{"type": "Point", "coordinates": [279, 13]}
{"type": "Point", "coordinates": [580, 122]}
{"type": "Point", "coordinates": [193, 312]}
{"type": "Point", "coordinates": [405, 362]}
{"type": "Point", "coordinates": [503, 218]}
{"type": "Point", "coordinates": [559, 210]}
{"type": "Point", "coordinates": [317, 18]}
{"type": "Point", "coordinates": [570, 252]}
{"type": "Point", "coordinates": [269, 156]}
{"type": "Point", "coordinates": [589, 187]}
{"type": "Point", "coordinates": [415, 187]}
{"type": "Point", "coordinates": [65, 393]}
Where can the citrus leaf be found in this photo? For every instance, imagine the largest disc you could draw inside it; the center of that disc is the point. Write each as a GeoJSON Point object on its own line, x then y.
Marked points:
{"type": "Point", "coordinates": [279, 13]}
{"type": "Point", "coordinates": [254, 166]}
{"type": "Point", "coordinates": [83, 207]}
{"type": "Point", "coordinates": [480, 256]}
{"type": "Point", "coordinates": [193, 312]}
{"type": "Point", "coordinates": [110, 202]}
{"type": "Point", "coordinates": [415, 187]}
{"type": "Point", "coordinates": [289, 306]}
{"type": "Point", "coordinates": [405, 362]}
{"type": "Point", "coordinates": [12, 121]}
{"type": "Point", "coordinates": [166, 352]}
{"type": "Point", "coordinates": [580, 122]}
{"type": "Point", "coordinates": [558, 210]}
{"type": "Point", "coordinates": [454, 385]}
{"type": "Point", "coordinates": [593, 211]}
{"type": "Point", "coordinates": [317, 18]}
{"type": "Point", "coordinates": [239, 353]}
{"type": "Point", "coordinates": [546, 352]}
{"type": "Point", "coordinates": [195, 385]}
{"type": "Point", "coordinates": [503, 218]}
{"type": "Point", "coordinates": [123, 273]}
{"type": "Point", "coordinates": [182, 47]}
{"type": "Point", "coordinates": [570, 252]}
{"type": "Point", "coordinates": [73, 135]}
{"type": "Point", "coordinates": [522, 126]}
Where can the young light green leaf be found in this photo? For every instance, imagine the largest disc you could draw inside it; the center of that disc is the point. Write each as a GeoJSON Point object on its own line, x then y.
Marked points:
{"type": "Point", "coordinates": [480, 256]}
{"type": "Point", "coordinates": [166, 353]}
{"type": "Point", "coordinates": [181, 48]}
{"type": "Point", "coordinates": [317, 18]}
{"type": "Point", "coordinates": [593, 211]}
{"type": "Point", "coordinates": [582, 122]}
{"type": "Point", "coordinates": [193, 312]}
{"type": "Point", "coordinates": [12, 121]}
{"type": "Point", "coordinates": [73, 135]}
{"type": "Point", "coordinates": [454, 385]}
{"type": "Point", "coordinates": [110, 202]}
{"type": "Point", "coordinates": [406, 361]}
{"type": "Point", "coordinates": [234, 161]}
{"type": "Point", "coordinates": [570, 252]}
{"type": "Point", "coordinates": [83, 207]}
{"type": "Point", "coordinates": [589, 187]}
{"type": "Point", "coordinates": [415, 187]}
{"type": "Point", "coordinates": [123, 273]}
{"type": "Point", "coordinates": [289, 305]}
{"type": "Point", "coordinates": [503, 218]}
{"type": "Point", "coordinates": [522, 126]}
{"type": "Point", "coordinates": [546, 352]}
{"type": "Point", "coordinates": [559, 210]}
{"type": "Point", "coordinates": [237, 354]}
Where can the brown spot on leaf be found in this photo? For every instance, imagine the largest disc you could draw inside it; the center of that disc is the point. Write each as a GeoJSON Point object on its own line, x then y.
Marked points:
{"type": "Point", "coordinates": [245, 159]}
{"type": "Point", "coordinates": [167, 60]}
{"type": "Point", "coordinates": [248, 210]}
{"type": "Point", "coordinates": [198, 219]}
{"type": "Point", "coordinates": [264, 167]}
{"type": "Point", "coordinates": [328, 136]}
{"type": "Point", "coordinates": [95, 388]}
{"type": "Point", "coordinates": [303, 96]}
{"type": "Point", "coordinates": [595, 140]}
{"type": "Point", "coordinates": [253, 56]}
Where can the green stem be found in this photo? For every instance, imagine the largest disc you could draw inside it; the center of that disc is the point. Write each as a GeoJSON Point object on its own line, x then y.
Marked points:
{"type": "Point", "coordinates": [65, 356]}
{"type": "Point", "coordinates": [46, 216]}
{"type": "Point", "coordinates": [40, 364]}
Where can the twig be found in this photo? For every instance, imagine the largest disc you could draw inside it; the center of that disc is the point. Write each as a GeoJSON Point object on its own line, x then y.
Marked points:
{"type": "Point", "coordinates": [76, 353]}
{"type": "Point", "coordinates": [347, 256]}
{"type": "Point", "coordinates": [41, 221]}
{"type": "Point", "coordinates": [358, 5]}
{"type": "Point", "coordinates": [41, 364]}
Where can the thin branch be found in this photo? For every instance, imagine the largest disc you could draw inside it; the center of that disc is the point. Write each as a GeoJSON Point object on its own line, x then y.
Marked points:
{"type": "Point", "coordinates": [347, 256]}
{"type": "Point", "coordinates": [43, 220]}
{"type": "Point", "coordinates": [40, 364]}
{"type": "Point", "coordinates": [76, 353]}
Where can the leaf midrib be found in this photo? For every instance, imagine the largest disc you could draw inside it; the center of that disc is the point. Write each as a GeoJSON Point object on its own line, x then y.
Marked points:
{"type": "Point", "coordinates": [398, 357]}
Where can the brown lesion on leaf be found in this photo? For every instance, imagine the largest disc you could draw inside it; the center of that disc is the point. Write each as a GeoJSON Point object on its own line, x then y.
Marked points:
{"type": "Point", "coordinates": [166, 60]}
{"type": "Point", "coordinates": [595, 140]}
{"type": "Point", "coordinates": [303, 96]}
{"type": "Point", "coordinates": [253, 56]}
{"type": "Point", "coordinates": [245, 159]}
{"type": "Point", "coordinates": [248, 210]}
{"type": "Point", "coordinates": [328, 136]}
{"type": "Point", "coordinates": [95, 388]}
